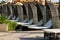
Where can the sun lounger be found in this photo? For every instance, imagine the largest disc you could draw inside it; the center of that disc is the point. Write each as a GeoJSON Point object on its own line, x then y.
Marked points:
{"type": "Point", "coordinates": [39, 23]}
{"type": "Point", "coordinates": [29, 22]}
{"type": "Point", "coordinates": [25, 27]}
{"type": "Point", "coordinates": [25, 21]}
{"type": "Point", "coordinates": [16, 20]}
{"type": "Point", "coordinates": [47, 25]}
{"type": "Point", "coordinates": [9, 16]}
{"type": "Point", "coordinates": [13, 18]}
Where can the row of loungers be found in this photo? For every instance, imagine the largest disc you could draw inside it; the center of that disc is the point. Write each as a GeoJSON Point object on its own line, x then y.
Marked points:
{"type": "Point", "coordinates": [29, 23]}
{"type": "Point", "coordinates": [37, 26]}
{"type": "Point", "coordinates": [24, 24]}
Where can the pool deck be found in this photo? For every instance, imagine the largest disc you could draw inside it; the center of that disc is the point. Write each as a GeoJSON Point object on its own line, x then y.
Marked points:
{"type": "Point", "coordinates": [22, 35]}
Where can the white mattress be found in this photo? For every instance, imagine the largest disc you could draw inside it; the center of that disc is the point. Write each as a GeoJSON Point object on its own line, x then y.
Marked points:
{"type": "Point", "coordinates": [37, 27]}
{"type": "Point", "coordinates": [20, 23]}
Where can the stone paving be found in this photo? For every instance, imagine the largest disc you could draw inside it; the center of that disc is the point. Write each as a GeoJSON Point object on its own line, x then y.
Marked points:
{"type": "Point", "coordinates": [22, 35]}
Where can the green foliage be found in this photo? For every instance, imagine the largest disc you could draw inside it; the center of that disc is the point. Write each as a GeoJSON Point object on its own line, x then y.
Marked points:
{"type": "Point", "coordinates": [4, 20]}
{"type": "Point", "coordinates": [12, 26]}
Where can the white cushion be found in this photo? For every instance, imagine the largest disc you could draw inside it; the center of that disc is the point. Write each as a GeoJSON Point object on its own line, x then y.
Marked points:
{"type": "Point", "coordinates": [20, 23]}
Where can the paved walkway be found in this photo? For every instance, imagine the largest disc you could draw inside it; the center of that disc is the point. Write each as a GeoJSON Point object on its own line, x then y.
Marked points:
{"type": "Point", "coordinates": [22, 35]}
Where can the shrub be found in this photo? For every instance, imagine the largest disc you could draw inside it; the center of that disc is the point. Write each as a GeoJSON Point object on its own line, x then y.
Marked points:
{"type": "Point", "coordinates": [12, 26]}
{"type": "Point", "coordinates": [5, 20]}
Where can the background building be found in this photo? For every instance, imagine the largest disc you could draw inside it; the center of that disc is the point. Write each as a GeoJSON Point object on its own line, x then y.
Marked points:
{"type": "Point", "coordinates": [27, 0]}
{"type": "Point", "coordinates": [21, 0]}
{"type": "Point", "coordinates": [54, 1]}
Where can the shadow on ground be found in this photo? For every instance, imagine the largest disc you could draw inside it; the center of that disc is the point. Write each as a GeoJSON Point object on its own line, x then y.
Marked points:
{"type": "Point", "coordinates": [35, 32]}
{"type": "Point", "coordinates": [37, 38]}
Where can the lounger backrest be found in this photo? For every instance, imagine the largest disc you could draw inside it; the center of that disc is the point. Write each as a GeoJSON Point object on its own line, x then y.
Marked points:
{"type": "Point", "coordinates": [14, 17]}
{"type": "Point", "coordinates": [48, 24]}
{"type": "Point", "coordinates": [17, 19]}
{"type": "Point", "coordinates": [40, 22]}
{"type": "Point", "coordinates": [31, 21]}
{"type": "Point", "coordinates": [24, 21]}
{"type": "Point", "coordinates": [9, 16]}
